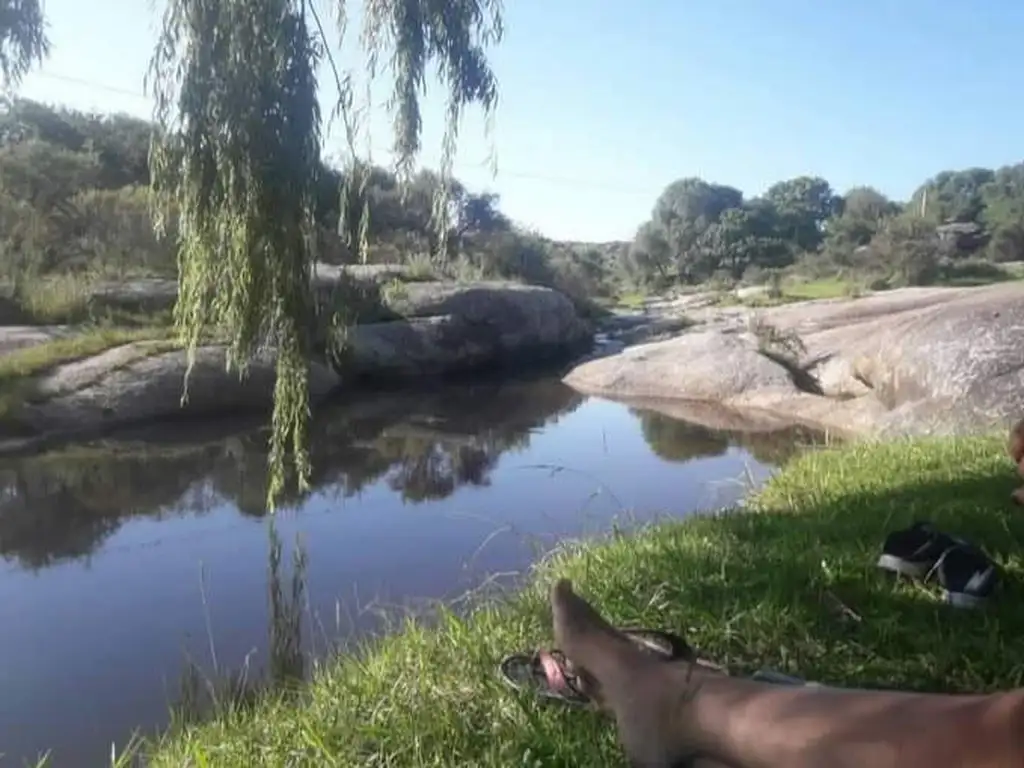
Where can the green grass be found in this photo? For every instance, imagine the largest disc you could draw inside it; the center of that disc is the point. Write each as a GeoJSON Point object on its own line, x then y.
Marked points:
{"type": "Point", "coordinates": [793, 290]}
{"type": "Point", "coordinates": [971, 273]}
{"type": "Point", "coordinates": [18, 368]}
{"type": "Point", "coordinates": [749, 589]}
{"type": "Point", "coordinates": [55, 298]}
{"type": "Point", "coordinates": [70, 298]}
{"type": "Point", "coordinates": [632, 300]}
{"type": "Point", "coordinates": [826, 288]}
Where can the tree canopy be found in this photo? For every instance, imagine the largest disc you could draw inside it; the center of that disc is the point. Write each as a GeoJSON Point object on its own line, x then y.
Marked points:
{"type": "Point", "coordinates": [699, 230]}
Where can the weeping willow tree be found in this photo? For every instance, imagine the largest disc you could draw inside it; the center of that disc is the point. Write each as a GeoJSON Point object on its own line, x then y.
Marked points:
{"type": "Point", "coordinates": [236, 155]}
{"type": "Point", "coordinates": [23, 40]}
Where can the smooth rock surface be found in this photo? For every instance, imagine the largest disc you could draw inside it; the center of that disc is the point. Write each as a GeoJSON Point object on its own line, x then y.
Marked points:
{"type": "Point", "coordinates": [910, 362]}
{"type": "Point", "coordinates": [451, 328]}
{"type": "Point", "coordinates": [129, 384]}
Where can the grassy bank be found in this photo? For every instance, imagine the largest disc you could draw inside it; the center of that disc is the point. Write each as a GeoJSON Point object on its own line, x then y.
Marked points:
{"type": "Point", "coordinates": [791, 585]}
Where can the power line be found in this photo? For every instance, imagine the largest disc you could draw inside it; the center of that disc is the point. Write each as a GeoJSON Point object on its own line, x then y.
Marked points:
{"type": "Point", "coordinates": [611, 186]}
{"type": "Point", "coordinates": [90, 84]}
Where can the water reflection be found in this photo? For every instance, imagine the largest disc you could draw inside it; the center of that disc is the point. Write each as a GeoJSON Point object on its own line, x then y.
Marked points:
{"type": "Point", "coordinates": [675, 440]}
{"type": "Point", "coordinates": [63, 505]}
{"type": "Point", "coordinates": [203, 693]}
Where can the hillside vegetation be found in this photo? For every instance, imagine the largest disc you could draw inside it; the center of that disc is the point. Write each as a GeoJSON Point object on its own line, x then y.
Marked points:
{"type": "Point", "coordinates": [74, 205]}
{"type": "Point", "coordinates": [957, 226]}
{"type": "Point", "coordinates": [74, 201]}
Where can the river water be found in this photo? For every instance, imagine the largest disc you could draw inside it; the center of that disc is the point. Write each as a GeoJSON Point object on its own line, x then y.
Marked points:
{"type": "Point", "coordinates": [127, 563]}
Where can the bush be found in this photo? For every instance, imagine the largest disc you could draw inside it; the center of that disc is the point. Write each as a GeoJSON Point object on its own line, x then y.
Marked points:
{"type": "Point", "coordinates": [102, 231]}
{"type": "Point", "coordinates": [967, 272]}
{"type": "Point", "coordinates": [115, 234]}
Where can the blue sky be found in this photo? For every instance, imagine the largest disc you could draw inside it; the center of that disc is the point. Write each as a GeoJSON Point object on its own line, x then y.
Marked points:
{"type": "Point", "coordinates": [604, 103]}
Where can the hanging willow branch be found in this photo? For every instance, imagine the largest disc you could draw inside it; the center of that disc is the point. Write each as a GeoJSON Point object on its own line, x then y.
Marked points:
{"type": "Point", "coordinates": [237, 154]}
{"type": "Point", "coordinates": [453, 35]}
{"type": "Point", "coordinates": [236, 157]}
{"type": "Point", "coordinates": [23, 40]}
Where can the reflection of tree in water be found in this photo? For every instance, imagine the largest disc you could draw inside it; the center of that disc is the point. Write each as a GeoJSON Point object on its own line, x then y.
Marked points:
{"type": "Point", "coordinates": [778, 447]}
{"type": "Point", "coordinates": [201, 695]}
{"type": "Point", "coordinates": [677, 440]}
{"type": "Point", "coordinates": [426, 470]}
{"type": "Point", "coordinates": [424, 447]}
{"type": "Point", "coordinates": [59, 507]}
{"type": "Point", "coordinates": [63, 504]}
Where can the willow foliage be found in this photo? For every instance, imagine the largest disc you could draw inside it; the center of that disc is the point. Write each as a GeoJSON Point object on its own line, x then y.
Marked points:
{"type": "Point", "coordinates": [454, 35]}
{"type": "Point", "coordinates": [23, 39]}
{"type": "Point", "coordinates": [236, 155]}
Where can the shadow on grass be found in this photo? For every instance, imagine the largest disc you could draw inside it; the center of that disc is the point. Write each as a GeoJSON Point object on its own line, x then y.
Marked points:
{"type": "Point", "coordinates": [791, 584]}
{"type": "Point", "coordinates": [797, 588]}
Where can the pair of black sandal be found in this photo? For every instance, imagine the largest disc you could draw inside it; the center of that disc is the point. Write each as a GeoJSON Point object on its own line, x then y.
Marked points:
{"type": "Point", "coordinates": [966, 574]}
{"type": "Point", "coordinates": [550, 675]}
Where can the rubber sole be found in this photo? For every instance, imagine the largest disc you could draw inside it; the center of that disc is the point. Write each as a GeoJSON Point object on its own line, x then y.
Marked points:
{"type": "Point", "coordinates": [963, 600]}
{"type": "Point", "coordinates": [903, 567]}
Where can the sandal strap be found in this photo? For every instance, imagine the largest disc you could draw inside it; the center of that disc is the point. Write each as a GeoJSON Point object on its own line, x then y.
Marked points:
{"type": "Point", "coordinates": [566, 678]}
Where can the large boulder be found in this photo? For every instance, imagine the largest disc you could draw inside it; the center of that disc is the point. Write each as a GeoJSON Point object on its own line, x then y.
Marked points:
{"type": "Point", "coordinates": [921, 361]}
{"type": "Point", "coordinates": [142, 381]}
{"type": "Point", "coordinates": [712, 364]}
{"type": "Point", "coordinates": [451, 328]}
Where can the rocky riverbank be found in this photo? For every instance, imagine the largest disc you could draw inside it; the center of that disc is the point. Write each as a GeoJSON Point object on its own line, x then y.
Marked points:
{"type": "Point", "coordinates": [906, 362]}
{"type": "Point", "coordinates": [404, 331]}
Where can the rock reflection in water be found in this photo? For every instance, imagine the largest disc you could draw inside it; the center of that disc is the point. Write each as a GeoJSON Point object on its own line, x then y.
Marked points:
{"type": "Point", "coordinates": [681, 441]}
{"type": "Point", "coordinates": [62, 505]}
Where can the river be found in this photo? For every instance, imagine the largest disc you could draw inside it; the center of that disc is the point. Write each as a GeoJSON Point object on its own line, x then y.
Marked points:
{"type": "Point", "coordinates": [127, 562]}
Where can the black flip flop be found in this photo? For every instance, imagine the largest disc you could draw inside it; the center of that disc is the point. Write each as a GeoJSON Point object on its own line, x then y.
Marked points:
{"type": "Point", "coordinates": [527, 672]}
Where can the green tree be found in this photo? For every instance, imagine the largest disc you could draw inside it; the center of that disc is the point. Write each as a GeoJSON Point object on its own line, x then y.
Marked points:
{"type": "Point", "coordinates": [802, 206]}
{"type": "Point", "coordinates": [686, 208]}
{"type": "Point", "coordinates": [909, 247]}
{"type": "Point", "coordinates": [698, 228]}
{"type": "Point", "coordinates": [650, 259]}
{"type": "Point", "coordinates": [743, 238]}
{"type": "Point", "coordinates": [1003, 214]}
{"type": "Point", "coordinates": [479, 214]}
{"type": "Point", "coordinates": [46, 175]}
{"type": "Point", "coordinates": [120, 142]}
{"type": "Point", "coordinates": [860, 215]}
{"type": "Point", "coordinates": [866, 204]}
{"type": "Point", "coordinates": [954, 196]}
{"type": "Point", "coordinates": [676, 440]}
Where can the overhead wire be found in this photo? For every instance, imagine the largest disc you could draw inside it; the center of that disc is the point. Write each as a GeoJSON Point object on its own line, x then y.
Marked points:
{"type": "Point", "coordinates": [610, 185]}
